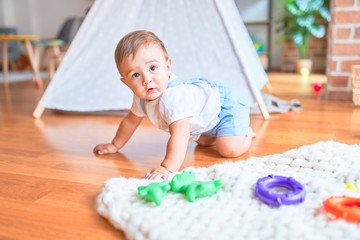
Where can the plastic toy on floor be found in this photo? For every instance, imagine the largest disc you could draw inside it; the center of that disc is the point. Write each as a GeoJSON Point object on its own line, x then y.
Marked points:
{"type": "Point", "coordinates": [352, 187]}
{"type": "Point", "coordinates": [185, 183]}
{"type": "Point", "coordinates": [199, 189]}
{"type": "Point", "coordinates": [181, 183]}
{"type": "Point", "coordinates": [343, 207]}
{"type": "Point", "coordinates": [181, 180]}
{"type": "Point", "coordinates": [154, 192]}
{"type": "Point", "coordinates": [266, 186]}
{"type": "Point", "coordinates": [317, 87]}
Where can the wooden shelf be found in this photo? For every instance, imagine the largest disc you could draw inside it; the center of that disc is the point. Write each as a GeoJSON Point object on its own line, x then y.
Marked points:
{"type": "Point", "coordinates": [260, 26]}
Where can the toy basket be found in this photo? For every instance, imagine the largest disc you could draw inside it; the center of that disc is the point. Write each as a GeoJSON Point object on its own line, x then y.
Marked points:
{"type": "Point", "coordinates": [356, 84]}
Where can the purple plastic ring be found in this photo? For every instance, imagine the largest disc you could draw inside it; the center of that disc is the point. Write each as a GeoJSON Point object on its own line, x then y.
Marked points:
{"type": "Point", "coordinates": [266, 186]}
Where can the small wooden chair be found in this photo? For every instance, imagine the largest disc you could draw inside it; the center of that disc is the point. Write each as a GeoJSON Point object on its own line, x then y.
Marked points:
{"type": "Point", "coordinates": [55, 49]}
{"type": "Point", "coordinates": [13, 48]}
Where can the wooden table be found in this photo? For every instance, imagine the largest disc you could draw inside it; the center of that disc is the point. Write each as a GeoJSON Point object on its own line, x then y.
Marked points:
{"type": "Point", "coordinates": [33, 54]}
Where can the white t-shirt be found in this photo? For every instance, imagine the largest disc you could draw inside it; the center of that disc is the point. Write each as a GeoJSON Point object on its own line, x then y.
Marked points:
{"type": "Point", "coordinates": [199, 102]}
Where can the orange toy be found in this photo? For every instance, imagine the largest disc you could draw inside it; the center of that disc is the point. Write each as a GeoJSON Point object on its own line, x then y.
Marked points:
{"type": "Point", "coordinates": [347, 208]}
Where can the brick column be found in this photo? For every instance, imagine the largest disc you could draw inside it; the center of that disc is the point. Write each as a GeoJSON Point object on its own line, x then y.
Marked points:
{"type": "Point", "coordinates": [343, 48]}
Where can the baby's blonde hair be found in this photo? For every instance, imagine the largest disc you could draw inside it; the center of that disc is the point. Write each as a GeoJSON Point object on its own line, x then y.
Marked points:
{"type": "Point", "coordinates": [131, 42]}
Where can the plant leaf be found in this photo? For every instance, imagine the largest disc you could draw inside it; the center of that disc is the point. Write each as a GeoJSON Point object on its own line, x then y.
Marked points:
{"type": "Point", "coordinates": [297, 37]}
{"type": "Point", "coordinates": [317, 31]}
{"type": "Point", "coordinates": [303, 5]}
{"type": "Point", "coordinates": [293, 9]}
{"type": "Point", "coordinates": [315, 5]}
{"type": "Point", "coordinates": [305, 21]}
{"type": "Point", "coordinates": [324, 12]}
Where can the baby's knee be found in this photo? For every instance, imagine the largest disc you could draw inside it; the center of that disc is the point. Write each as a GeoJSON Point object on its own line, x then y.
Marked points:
{"type": "Point", "coordinates": [228, 154]}
{"type": "Point", "coordinates": [231, 147]}
{"type": "Point", "coordinates": [232, 152]}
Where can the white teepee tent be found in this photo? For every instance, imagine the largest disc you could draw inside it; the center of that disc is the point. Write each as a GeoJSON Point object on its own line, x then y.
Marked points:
{"type": "Point", "coordinates": [204, 38]}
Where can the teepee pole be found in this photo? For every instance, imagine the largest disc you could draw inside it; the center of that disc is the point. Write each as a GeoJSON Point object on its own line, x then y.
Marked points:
{"type": "Point", "coordinates": [223, 7]}
{"type": "Point", "coordinates": [259, 100]}
{"type": "Point", "coordinates": [38, 111]}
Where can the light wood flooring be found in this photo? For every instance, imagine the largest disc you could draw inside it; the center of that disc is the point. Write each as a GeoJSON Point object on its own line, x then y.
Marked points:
{"type": "Point", "coordinates": [49, 177]}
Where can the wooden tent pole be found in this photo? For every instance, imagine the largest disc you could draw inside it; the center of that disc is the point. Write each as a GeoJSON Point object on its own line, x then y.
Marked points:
{"type": "Point", "coordinates": [39, 110]}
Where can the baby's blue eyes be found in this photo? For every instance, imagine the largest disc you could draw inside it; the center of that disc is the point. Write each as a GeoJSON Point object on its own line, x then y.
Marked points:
{"type": "Point", "coordinates": [136, 75]}
{"type": "Point", "coordinates": [152, 69]}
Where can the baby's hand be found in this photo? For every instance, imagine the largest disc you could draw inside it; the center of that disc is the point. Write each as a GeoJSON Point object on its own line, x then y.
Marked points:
{"type": "Point", "coordinates": [105, 149]}
{"type": "Point", "coordinates": [159, 172]}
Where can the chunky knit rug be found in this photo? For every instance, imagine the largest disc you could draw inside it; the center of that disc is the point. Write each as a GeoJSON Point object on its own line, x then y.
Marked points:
{"type": "Point", "coordinates": [324, 168]}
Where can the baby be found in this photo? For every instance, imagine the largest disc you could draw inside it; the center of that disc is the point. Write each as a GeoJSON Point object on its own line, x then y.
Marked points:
{"type": "Point", "coordinates": [205, 111]}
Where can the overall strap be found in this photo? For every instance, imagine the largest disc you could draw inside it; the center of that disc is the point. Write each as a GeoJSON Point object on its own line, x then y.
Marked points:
{"type": "Point", "coordinates": [179, 81]}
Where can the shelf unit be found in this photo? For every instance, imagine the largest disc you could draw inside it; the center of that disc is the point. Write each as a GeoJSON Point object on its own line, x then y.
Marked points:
{"type": "Point", "coordinates": [257, 17]}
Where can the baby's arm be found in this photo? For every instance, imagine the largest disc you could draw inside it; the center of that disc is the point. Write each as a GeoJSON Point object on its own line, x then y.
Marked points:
{"type": "Point", "coordinates": [175, 151]}
{"type": "Point", "coordinates": [125, 130]}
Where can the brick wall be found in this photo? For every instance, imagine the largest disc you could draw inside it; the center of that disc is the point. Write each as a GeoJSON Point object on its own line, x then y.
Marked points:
{"type": "Point", "coordinates": [343, 48]}
{"type": "Point", "coordinates": [317, 52]}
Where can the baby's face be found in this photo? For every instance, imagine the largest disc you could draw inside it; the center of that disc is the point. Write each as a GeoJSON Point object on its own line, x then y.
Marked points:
{"type": "Point", "coordinates": [147, 73]}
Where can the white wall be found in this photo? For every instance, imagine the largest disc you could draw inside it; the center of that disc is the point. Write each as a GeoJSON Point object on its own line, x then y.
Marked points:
{"type": "Point", "coordinates": [7, 17]}
{"type": "Point", "coordinates": [40, 17]}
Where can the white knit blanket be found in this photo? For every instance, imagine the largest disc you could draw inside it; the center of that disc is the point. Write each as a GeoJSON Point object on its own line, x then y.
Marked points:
{"type": "Point", "coordinates": [324, 168]}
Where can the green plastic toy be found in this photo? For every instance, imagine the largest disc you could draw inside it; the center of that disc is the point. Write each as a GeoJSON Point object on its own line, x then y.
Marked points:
{"type": "Point", "coordinates": [154, 192]}
{"type": "Point", "coordinates": [181, 183]}
{"type": "Point", "coordinates": [181, 180]}
{"type": "Point", "coordinates": [185, 183]}
{"type": "Point", "coordinates": [199, 189]}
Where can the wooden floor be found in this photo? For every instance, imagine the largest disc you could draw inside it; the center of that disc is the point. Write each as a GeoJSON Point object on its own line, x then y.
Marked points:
{"type": "Point", "coordinates": [49, 177]}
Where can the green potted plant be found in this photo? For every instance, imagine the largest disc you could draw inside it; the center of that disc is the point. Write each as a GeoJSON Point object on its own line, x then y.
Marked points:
{"type": "Point", "coordinates": [300, 21]}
